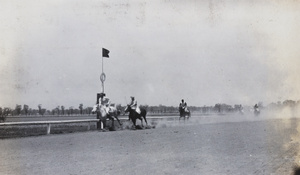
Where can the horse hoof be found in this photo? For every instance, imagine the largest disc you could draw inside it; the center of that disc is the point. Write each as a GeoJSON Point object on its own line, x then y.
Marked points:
{"type": "Point", "coordinates": [138, 127]}
{"type": "Point", "coordinates": [112, 129]}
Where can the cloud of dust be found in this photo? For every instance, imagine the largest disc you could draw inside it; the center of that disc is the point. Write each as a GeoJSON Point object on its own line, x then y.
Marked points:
{"type": "Point", "coordinates": [290, 124]}
{"type": "Point", "coordinates": [286, 114]}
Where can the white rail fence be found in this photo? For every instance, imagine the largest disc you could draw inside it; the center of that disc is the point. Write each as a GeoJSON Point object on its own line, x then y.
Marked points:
{"type": "Point", "coordinates": [48, 123]}
{"type": "Point", "coordinates": [89, 121]}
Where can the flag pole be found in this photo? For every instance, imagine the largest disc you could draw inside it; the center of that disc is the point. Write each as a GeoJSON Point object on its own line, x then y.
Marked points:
{"type": "Point", "coordinates": [102, 74]}
{"type": "Point", "coordinates": [105, 53]}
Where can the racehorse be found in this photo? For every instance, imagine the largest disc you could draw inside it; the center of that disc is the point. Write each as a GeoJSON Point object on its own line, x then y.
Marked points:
{"type": "Point", "coordinates": [103, 115]}
{"type": "Point", "coordinates": [256, 111]}
{"type": "Point", "coordinates": [184, 112]}
{"type": "Point", "coordinates": [133, 115]}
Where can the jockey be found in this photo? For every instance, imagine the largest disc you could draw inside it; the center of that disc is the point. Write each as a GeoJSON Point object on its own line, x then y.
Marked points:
{"type": "Point", "coordinates": [100, 97]}
{"type": "Point", "coordinates": [241, 109]}
{"type": "Point", "coordinates": [133, 105]}
{"type": "Point", "coordinates": [106, 103]}
{"type": "Point", "coordinates": [183, 106]}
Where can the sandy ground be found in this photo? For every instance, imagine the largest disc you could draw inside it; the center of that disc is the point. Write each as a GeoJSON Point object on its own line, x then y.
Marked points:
{"type": "Point", "coordinates": [212, 145]}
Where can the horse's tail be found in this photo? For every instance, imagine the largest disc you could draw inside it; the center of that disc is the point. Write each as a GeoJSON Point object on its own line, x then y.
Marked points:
{"type": "Point", "coordinates": [143, 114]}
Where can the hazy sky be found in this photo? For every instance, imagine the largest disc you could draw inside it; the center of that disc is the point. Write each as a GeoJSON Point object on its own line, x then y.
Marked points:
{"type": "Point", "coordinates": [207, 52]}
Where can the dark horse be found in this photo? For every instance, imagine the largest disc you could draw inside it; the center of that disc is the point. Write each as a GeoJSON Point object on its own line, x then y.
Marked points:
{"type": "Point", "coordinates": [256, 111]}
{"type": "Point", "coordinates": [133, 115]}
{"type": "Point", "coordinates": [184, 112]}
{"type": "Point", "coordinates": [103, 115]}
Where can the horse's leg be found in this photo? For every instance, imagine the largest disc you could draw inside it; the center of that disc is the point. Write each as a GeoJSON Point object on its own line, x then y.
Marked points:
{"type": "Point", "coordinates": [120, 123]}
{"type": "Point", "coordinates": [112, 128]}
{"type": "Point", "coordinates": [181, 114]}
{"type": "Point", "coordinates": [115, 115]}
{"type": "Point", "coordinates": [141, 121]}
{"type": "Point", "coordinates": [103, 120]}
{"type": "Point", "coordinates": [100, 120]}
{"type": "Point", "coordinates": [134, 121]}
{"type": "Point", "coordinates": [112, 122]}
{"type": "Point", "coordinates": [144, 116]}
{"type": "Point", "coordinates": [138, 116]}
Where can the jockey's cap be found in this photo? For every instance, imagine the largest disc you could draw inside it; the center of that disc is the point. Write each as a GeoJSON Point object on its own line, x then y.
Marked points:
{"type": "Point", "coordinates": [132, 97]}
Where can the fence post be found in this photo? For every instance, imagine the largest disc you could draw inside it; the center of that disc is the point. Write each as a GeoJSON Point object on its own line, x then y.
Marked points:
{"type": "Point", "coordinates": [48, 128]}
{"type": "Point", "coordinates": [89, 126]}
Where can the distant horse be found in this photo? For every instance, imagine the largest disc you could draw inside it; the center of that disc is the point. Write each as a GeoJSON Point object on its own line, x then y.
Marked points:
{"type": "Point", "coordinates": [103, 115]}
{"type": "Point", "coordinates": [184, 113]}
{"type": "Point", "coordinates": [133, 115]}
{"type": "Point", "coordinates": [256, 111]}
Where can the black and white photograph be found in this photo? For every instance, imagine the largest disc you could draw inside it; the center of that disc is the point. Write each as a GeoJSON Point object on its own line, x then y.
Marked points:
{"type": "Point", "coordinates": [163, 87]}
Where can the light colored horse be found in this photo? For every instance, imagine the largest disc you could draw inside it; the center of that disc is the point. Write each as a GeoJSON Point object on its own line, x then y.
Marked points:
{"type": "Point", "coordinates": [103, 113]}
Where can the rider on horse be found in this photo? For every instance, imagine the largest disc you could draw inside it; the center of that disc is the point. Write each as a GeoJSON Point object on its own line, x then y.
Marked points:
{"type": "Point", "coordinates": [256, 109]}
{"type": "Point", "coordinates": [183, 106]}
{"type": "Point", "coordinates": [106, 104]}
{"type": "Point", "coordinates": [183, 110]}
{"type": "Point", "coordinates": [104, 101]}
{"type": "Point", "coordinates": [133, 105]}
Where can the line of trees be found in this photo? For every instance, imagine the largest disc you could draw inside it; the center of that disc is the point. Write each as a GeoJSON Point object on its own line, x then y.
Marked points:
{"type": "Point", "coordinates": [160, 109]}
{"type": "Point", "coordinates": [59, 110]}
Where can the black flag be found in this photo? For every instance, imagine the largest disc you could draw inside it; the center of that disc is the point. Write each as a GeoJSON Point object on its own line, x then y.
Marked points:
{"type": "Point", "coordinates": [105, 53]}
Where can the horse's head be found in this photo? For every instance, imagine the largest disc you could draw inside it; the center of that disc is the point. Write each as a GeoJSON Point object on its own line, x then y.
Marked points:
{"type": "Point", "coordinates": [94, 110]}
{"type": "Point", "coordinates": [127, 108]}
{"type": "Point", "coordinates": [99, 108]}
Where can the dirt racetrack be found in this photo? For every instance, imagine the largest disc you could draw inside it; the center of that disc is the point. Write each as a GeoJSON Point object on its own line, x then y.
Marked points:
{"type": "Point", "coordinates": [231, 145]}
